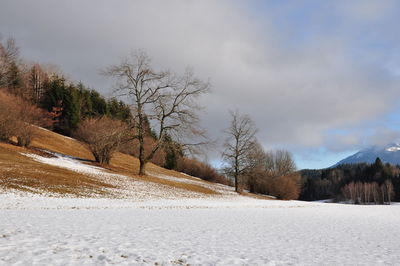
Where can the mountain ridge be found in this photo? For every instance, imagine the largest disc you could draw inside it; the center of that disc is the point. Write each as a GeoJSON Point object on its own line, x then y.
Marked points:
{"type": "Point", "coordinates": [389, 153]}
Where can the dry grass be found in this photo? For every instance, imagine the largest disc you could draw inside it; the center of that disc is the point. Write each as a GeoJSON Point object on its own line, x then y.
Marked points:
{"type": "Point", "coordinates": [129, 165]}
{"type": "Point", "coordinates": [48, 140]}
{"type": "Point", "coordinates": [22, 173]}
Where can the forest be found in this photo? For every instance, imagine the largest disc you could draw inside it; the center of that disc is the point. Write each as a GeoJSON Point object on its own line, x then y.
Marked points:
{"type": "Point", "coordinates": [358, 183]}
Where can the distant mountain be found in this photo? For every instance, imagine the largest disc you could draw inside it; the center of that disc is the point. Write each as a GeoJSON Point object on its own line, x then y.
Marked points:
{"type": "Point", "coordinates": [388, 154]}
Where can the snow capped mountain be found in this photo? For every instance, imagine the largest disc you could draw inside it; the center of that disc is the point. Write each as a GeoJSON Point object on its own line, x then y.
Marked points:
{"type": "Point", "coordinates": [388, 154]}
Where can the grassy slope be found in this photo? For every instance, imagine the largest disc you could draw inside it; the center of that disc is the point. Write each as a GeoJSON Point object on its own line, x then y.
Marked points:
{"type": "Point", "coordinates": [23, 173]}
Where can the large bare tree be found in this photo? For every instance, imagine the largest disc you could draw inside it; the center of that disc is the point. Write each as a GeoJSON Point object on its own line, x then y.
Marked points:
{"type": "Point", "coordinates": [168, 101]}
{"type": "Point", "coordinates": [239, 143]}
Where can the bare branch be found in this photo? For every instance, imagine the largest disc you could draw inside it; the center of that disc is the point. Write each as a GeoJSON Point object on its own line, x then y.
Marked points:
{"type": "Point", "coordinates": [162, 97]}
{"type": "Point", "coordinates": [239, 143]}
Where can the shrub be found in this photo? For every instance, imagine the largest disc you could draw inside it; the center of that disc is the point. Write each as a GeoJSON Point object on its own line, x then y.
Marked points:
{"type": "Point", "coordinates": [17, 118]}
{"type": "Point", "coordinates": [8, 118]}
{"type": "Point", "coordinates": [286, 187]}
{"type": "Point", "coordinates": [282, 187]}
{"type": "Point", "coordinates": [103, 136]}
{"type": "Point", "coordinates": [202, 170]}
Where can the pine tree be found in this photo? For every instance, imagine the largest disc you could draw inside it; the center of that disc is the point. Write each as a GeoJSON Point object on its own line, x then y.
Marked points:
{"type": "Point", "coordinates": [173, 152]}
{"type": "Point", "coordinates": [14, 79]}
{"type": "Point", "coordinates": [72, 110]}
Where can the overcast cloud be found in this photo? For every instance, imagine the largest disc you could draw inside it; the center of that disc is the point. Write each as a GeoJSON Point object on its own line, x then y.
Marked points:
{"type": "Point", "coordinates": [301, 73]}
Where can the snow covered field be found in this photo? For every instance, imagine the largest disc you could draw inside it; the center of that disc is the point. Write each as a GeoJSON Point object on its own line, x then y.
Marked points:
{"type": "Point", "coordinates": [36, 230]}
{"type": "Point", "coordinates": [147, 223]}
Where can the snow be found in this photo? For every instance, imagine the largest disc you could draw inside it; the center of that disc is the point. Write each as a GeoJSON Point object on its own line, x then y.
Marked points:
{"type": "Point", "coordinates": [393, 149]}
{"type": "Point", "coordinates": [359, 155]}
{"type": "Point", "coordinates": [144, 223]}
{"type": "Point", "coordinates": [39, 230]}
{"type": "Point", "coordinates": [25, 201]}
{"type": "Point", "coordinates": [127, 187]}
{"type": "Point", "coordinates": [197, 181]}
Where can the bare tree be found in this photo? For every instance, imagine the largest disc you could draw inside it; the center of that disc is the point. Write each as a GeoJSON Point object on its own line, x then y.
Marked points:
{"type": "Point", "coordinates": [367, 192]}
{"type": "Point", "coordinates": [280, 163]}
{"type": "Point", "coordinates": [9, 53]}
{"type": "Point", "coordinates": [163, 98]}
{"type": "Point", "coordinates": [283, 180]}
{"type": "Point", "coordinates": [256, 176]}
{"type": "Point", "coordinates": [375, 192]}
{"type": "Point", "coordinates": [103, 136]}
{"type": "Point", "coordinates": [389, 190]}
{"type": "Point", "coordinates": [239, 143]}
{"type": "Point", "coordinates": [36, 80]}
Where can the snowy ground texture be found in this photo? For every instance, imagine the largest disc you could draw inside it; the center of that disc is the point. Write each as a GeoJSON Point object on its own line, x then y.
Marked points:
{"type": "Point", "coordinates": [152, 224]}
{"type": "Point", "coordinates": [37, 230]}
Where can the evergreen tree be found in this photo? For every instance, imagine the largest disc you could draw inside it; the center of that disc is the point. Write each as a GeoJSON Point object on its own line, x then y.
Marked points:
{"type": "Point", "coordinates": [14, 79]}
{"type": "Point", "coordinates": [173, 152]}
{"type": "Point", "coordinates": [54, 94]}
{"type": "Point", "coordinates": [72, 110]}
{"type": "Point", "coordinates": [119, 110]}
{"type": "Point", "coordinates": [86, 108]}
{"type": "Point", "coordinates": [99, 104]}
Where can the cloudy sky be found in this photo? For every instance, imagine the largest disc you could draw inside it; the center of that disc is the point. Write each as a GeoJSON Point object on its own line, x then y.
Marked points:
{"type": "Point", "coordinates": [320, 78]}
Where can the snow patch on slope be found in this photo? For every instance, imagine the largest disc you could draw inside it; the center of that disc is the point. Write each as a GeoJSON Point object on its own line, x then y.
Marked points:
{"type": "Point", "coordinates": [126, 186]}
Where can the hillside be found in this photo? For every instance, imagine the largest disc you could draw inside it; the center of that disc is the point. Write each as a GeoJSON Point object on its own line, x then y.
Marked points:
{"type": "Point", "coordinates": [56, 165]}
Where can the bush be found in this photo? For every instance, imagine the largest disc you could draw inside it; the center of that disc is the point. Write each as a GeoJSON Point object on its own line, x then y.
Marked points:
{"type": "Point", "coordinates": [272, 173]}
{"type": "Point", "coordinates": [103, 136]}
{"type": "Point", "coordinates": [286, 187]}
{"type": "Point", "coordinates": [17, 118]}
{"type": "Point", "coordinates": [198, 169]}
{"type": "Point", "coordinates": [8, 117]}
{"type": "Point", "coordinates": [282, 187]}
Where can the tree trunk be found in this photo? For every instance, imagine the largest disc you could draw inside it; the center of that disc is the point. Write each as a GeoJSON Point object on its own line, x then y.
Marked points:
{"type": "Point", "coordinates": [237, 168]}
{"type": "Point", "coordinates": [236, 184]}
{"type": "Point", "coordinates": [142, 167]}
{"type": "Point", "coordinates": [142, 161]}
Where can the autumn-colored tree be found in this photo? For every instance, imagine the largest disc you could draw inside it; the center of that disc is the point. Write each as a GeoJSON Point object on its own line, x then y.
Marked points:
{"type": "Point", "coordinates": [273, 173]}
{"type": "Point", "coordinates": [103, 136]}
{"type": "Point", "coordinates": [18, 117]}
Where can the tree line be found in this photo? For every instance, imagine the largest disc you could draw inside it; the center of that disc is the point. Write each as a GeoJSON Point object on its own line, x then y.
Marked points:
{"type": "Point", "coordinates": [67, 103]}
{"type": "Point", "coordinates": [358, 183]}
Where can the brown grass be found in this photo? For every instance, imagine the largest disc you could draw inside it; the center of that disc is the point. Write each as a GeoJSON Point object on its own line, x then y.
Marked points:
{"type": "Point", "coordinates": [129, 165]}
{"type": "Point", "coordinates": [23, 173]}
{"type": "Point", "coordinates": [48, 140]}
